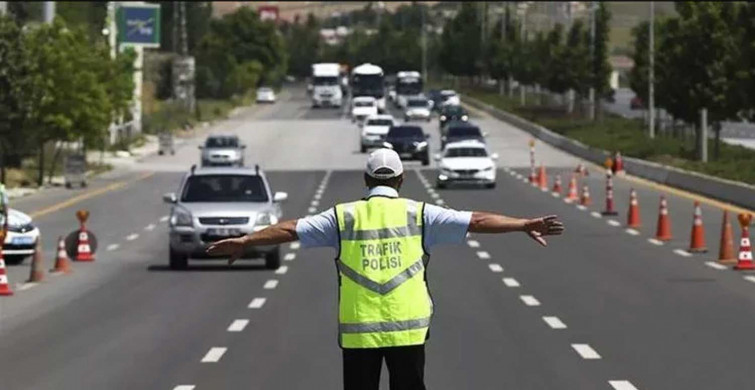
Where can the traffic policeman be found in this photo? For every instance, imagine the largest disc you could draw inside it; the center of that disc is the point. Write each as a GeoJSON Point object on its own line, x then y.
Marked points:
{"type": "Point", "coordinates": [383, 244]}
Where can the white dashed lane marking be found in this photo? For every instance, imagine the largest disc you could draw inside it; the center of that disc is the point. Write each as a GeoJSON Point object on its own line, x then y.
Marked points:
{"type": "Point", "coordinates": [27, 286]}
{"type": "Point", "coordinates": [555, 194]}
{"type": "Point", "coordinates": [318, 196]}
{"type": "Point", "coordinates": [585, 351]}
{"type": "Point", "coordinates": [483, 255]}
{"type": "Point", "coordinates": [150, 227]}
{"type": "Point", "coordinates": [581, 207]}
{"type": "Point", "coordinates": [434, 195]}
{"type": "Point", "coordinates": [750, 278]}
{"type": "Point", "coordinates": [289, 256]}
{"type": "Point", "coordinates": [510, 282]}
{"type": "Point", "coordinates": [554, 322]}
{"type": "Point", "coordinates": [132, 237]}
{"type": "Point", "coordinates": [312, 210]}
{"type": "Point", "coordinates": [473, 244]}
{"type": "Point", "coordinates": [184, 387]}
{"type": "Point", "coordinates": [682, 252]}
{"type": "Point", "coordinates": [315, 203]}
{"type": "Point", "coordinates": [163, 218]}
{"type": "Point", "coordinates": [613, 222]}
{"type": "Point", "coordinates": [632, 232]}
{"type": "Point", "coordinates": [439, 202]}
{"type": "Point", "coordinates": [715, 265]}
{"type": "Point", "coordinates": [529, 300]}
{"type": "Point", "coordinates": [295, 245]}
{"type": "Point", "coordinates": [281, 270]}
{"type": "Point", "coordinates": [112, 247]}
{"type": "Point", "coordinates": [257, 303]}
{"type": "Point", "coordinates": [622, 385]}
{"type": "Point", "coordinates": [214, 355]}
{"type": "Point", "coordinates": [238, 325]}
{"type": "Point", "coordinates": [271, 284]}
{"type": "Point", "coordinates": [655, 241]}
{"type": "Point", "coordinates": [495, 267]}
{"type": "Point", "coordinates": [596, 214]}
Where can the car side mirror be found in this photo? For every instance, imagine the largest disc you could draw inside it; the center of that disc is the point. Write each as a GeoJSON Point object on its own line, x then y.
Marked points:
{"type": "Point", "coordinates": [170, 197]}
{"type": "Point", "coordinates": [494, 156]}
{"type": "Point", "coordinates": [200, 147]}
{"type": "Point", "coordinates": [436, 157]}
{"type": "Point", "coordinates": [280, 197]}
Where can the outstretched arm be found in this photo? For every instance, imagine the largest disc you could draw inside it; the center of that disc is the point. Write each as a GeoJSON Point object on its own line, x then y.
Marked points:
{"type": "Point", "coordinates": [484, 222]}
{"type": "Point", "coordinates": [272, 235]}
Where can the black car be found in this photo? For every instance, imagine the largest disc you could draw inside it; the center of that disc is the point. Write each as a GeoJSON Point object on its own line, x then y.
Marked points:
{"type": "Point", "coordinates": [434, 96]}
{"type": "Point", "coordinates": [452, 113]}
{"type": "Point", "coordinates": [410, 142]}
{"type": "Point", "coordinates": [461, 131]}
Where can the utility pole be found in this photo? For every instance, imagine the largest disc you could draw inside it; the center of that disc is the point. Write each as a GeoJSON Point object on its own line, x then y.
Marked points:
{"type": "Point", "coordinates": [593, 6]}
{"type": "Point", "coordinates": [184, 44]}
{"type": "Point", "coordinates": [48, 11]}
{"type": "Point", "coordinates": [424, 46]}
{"type": "Point", "coordinates": [651, 73]}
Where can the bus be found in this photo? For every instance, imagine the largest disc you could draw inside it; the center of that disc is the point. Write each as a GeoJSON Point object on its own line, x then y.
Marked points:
{"type": "Point", "coordinates": [368, 80]}
{"type": "Point", "coordinates": [408, 84]}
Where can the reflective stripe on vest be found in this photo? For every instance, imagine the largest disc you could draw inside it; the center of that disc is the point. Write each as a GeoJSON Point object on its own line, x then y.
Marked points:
{"type": "Point", "coordinates": [383, 298]}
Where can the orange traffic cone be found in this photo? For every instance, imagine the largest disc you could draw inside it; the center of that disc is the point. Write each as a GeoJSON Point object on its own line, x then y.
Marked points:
{"type": "Point", "coordinates": [697, 240]}
{"type": "Point", "coordinates": [572, 195]}
{"type": "Point", "coordinates": [542, 178]}
{"type": "Point", "coordinates": [633, 216]}
{"type": "Point", "coordinates": [585, 199]}
{"type": "Point", "coordinates": [4, 285]}
{"type": "Point", "coordinates": [726, 248]}
{"type": "Point", "coordinates": [61, 260]}
{"type": "Point", "coordinates": [663, 231]}
{"type": "Point", "coordinates": [618, 166]}
{"type": "Point", "coordinates": [557, 185]}
{"type": "Point", "coordinates": [36, 274]}
{"type": "Point", "coordinates": [609, 195]}
{"type": "Point", "coordinates": [744, 261]}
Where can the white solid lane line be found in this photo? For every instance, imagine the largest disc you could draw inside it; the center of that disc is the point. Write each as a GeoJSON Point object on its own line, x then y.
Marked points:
{"type": "Point", "coordinates": [295, 245]}
{"type": "Point", "coordinates": [510, 282]}
{"type": "Point", "coordinates": [150, 227]}
{"type": "Point", "coordinates": [238, 325]}
{"type": "Point", "coordinates": [132, 237]}
{"type": "Point", "coordinates": [282, 270]}
{"type": "Point", "coordinates": [596, 214]}
{"type": "Point", "coordinates": [473, 244]}
{"type": "Point", "coordinates": [483, 255]}
{"type": "Point", "coordinates": [655, 241]}
{"type": "Point", "coordinates": [112, 247]}
{"type": "Point", "coordinates": [184, 387]}
{"type": "Point", "coordinates": [214, 355]}
{"type": "Point", "coordinates": [585, 351]}
{"type": "Point", "coordinates": [682, 252]}
{"type": "Point", "coordinates": [529, 300]}
{"type": "Point", "coordinates": [715, 265]}
{"type": "Point", "coordinates": [622, 385]}
{"type": "Point", "coordinates": [632, 232]}
{"type": "Point", "coordinates": [257, 303]}
{"type": "Point", "coordinates": [163, 218]}
{"type": "Point", "coordinates": [271, 284]}
{"type": "Point", "coordinates": [554, 322]}
{"type": "Point", "coordinates": [613, 222]}
{"type": "Point", "coordinates": [750, 278]}
{"type": "Point", "coordinates": [495, 267]}
{"type": "Point", "coordinates": [289, 256]}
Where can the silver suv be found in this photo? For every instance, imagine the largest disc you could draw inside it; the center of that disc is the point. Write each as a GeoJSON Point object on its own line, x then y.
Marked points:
{"type": "Point", "coordinates": [222, 150]}
{"type": "Point", "coordinates": [217, 203]}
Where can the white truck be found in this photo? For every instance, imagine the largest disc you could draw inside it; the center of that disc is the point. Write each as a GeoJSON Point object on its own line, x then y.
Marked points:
{"type": "Point", "coordinates": [368, 80]}
{"type": "Point", "coordinates": [408, 84]}
{"type": "Point", "coordinates": [326, 88]}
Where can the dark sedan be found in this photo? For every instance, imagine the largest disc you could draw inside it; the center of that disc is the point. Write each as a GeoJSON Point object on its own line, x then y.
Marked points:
{"type": "Point", "coordinates": [410, 142]}
{"type": "Point", "coordinates": [461, 131]}
{"type": "Point", "coordinates": [452, 113]}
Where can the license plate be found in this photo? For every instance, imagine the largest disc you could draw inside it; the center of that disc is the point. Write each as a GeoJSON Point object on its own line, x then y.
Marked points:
{"type": "Point", "coordinates": [22, 240]}
{"type": "Point", "coordinates": [405, 155]}
{"type": "Point", "coordinates": [221, 232]}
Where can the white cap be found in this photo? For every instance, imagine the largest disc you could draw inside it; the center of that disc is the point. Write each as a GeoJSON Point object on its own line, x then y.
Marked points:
{"type": "Point", "coordinates": [384, 164]}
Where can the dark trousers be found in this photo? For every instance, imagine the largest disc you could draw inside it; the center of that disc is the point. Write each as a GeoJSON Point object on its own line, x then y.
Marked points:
{"type": "Point", "coordinates": [406, 367]}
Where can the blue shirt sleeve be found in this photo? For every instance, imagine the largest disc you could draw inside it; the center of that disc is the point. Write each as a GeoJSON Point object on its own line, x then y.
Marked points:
{"type": "Point", "coordinates": [445, 226]}
{"type": "Point", "coordinates": [319, 230]}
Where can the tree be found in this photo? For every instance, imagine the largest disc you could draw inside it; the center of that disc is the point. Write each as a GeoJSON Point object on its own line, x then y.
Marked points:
{"type": "Point", "coordinates": [303, 45]}
{"type": "Point", "coordinates": [638, 76]}
{"type": "Point", "coordinates": [555, 61]}
{"type": "Point", "coordinates": [601, 69]}
{"type": "Point", "coordinates": [89, 15]}
{"type": "Point", "coordinates": [461, 52]}
{"type": "Point", "coordinates": [576, 61]}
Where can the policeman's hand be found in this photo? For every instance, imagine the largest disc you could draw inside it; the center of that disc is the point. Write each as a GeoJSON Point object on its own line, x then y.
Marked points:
{"type": "Point", "coordinates": [232, 247]}
{"type": "Point", "coordinates": [544, 226]}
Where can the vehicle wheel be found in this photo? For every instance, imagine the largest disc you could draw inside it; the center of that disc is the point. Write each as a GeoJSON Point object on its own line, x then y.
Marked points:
{"type": "Point", "coordinates": [160, 153]}
{"type": "Point", "coordinates": [178, 260]}
{"type": "Point", "coordinates": [273, 259]}
{"type": "Point", "coordinates": [426, 160]}
{"type": "Point", "coordinates": [490, 185]}
{"type": "Point", "coordinates": [440, 185]}
{"type": "Point", "coordinates": [14, 260]}
{"type": "Point", "coordinates": [68, 185]}
{"type": "Point", "coordinates": [83, 184]}
{"type": "Point", "coordinates": [363, 149]}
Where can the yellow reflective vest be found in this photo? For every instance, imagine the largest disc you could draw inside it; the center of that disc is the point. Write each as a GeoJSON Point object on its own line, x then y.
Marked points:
{"type": "Point", "coordinates": [383, 297]}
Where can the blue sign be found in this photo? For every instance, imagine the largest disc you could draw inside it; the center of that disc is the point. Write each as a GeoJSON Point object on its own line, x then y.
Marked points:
{"type": "Point", "coordinates": [139, 25]}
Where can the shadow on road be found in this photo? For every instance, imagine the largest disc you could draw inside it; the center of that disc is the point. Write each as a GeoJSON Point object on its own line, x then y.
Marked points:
{"type": "Point", "coordinates": [208, 268]}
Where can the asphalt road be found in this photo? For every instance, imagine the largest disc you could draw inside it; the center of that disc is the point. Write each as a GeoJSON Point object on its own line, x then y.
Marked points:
{"type": "Point", "coordinates": [599, 308]}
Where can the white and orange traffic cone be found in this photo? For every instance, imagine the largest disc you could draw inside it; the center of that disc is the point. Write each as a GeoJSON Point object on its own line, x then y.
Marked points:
{"type": "Point", "coordinates": [61, 260]}
{"type": "Point", "coordinates": [557, 185]}
{"type": "Point", "coordinates": [542, 179]}
{"type": "Point", "coordinates": [609, 195]}
{"type": "Point", "coordinates": [572, 194]}
{"type": "Point", "coordinates": [83, 248]}
{"type": "Point", "coordinates": [744, 261]}
{"type": "Point", "coordinates": [585, 200]}
{"type": "Point", "coordinates": [618, 166]}
{"type": "Point", "coordinates": [663, 230]}
{"type": "Point", "coordinates": [5, 289]}
{"type": "Point", "coordinates": [633, 216]}
{"type": "Point", "coordinates": [697, 239]}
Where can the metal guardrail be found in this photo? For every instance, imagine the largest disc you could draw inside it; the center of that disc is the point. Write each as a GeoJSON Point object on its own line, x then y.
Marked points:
{"type": "Point", "coordinates": [730, 191]}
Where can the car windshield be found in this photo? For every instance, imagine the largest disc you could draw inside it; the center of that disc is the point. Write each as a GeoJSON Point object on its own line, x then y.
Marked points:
{"type": "Point", "coordinates": [379, 122]}
{"type": "Point", "coordinates": [464, 131]}
{"type": "Point", "coordinates": [417, 103]}
{"type": "Point", "coordinates": [453, 110]}
{"type": "Point", "coordinates": [224, 188]}
{"type": "Point", "coordinates": [466, 152]}
{"type": "Point", "coordinates": [222, 142]}
{"type": "Point", "coordinates": [326, 80]}
{"type": "Point", "coordinates": [363, 104]}
{"type": "Point", "coordinates": [447, 94]}
{"type": "Point", "coordinates": [405, 132]}
{"type": "Point", "coordinates": [265, 90]}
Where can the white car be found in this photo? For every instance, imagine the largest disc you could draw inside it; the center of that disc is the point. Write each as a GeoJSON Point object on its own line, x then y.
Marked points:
{"type": "Point", "coordinates": [362, 107]}
{"type": "Point", "coordinates": [265, 95]}
{"type": "Point", "coordinates": [466, 162]}
{"type": "Point", "coordinates": [417, 108]}
{"type": "Point", "coordinates": [21, 241]}
{"type": "Point", "coordinates": [374, 130]}
{"type": "Point", "coordinates": [450, 97]}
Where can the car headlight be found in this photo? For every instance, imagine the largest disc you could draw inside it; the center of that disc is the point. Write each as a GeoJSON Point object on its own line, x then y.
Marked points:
{"type": "Point", "coordinates": [464, 117]}
{"type": "Point", "coordinates": [388, 145]}
{"type": "Point", "coordinates": [488, 169]}
{"type": "Point", "coordinates": [442, 117]}
{"type": "Point", "coordinates": [266, 219]}
{"type": "Point", "coordinates": [181, 217]}
{"type": "Point", "coordinates": [420, 145]}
